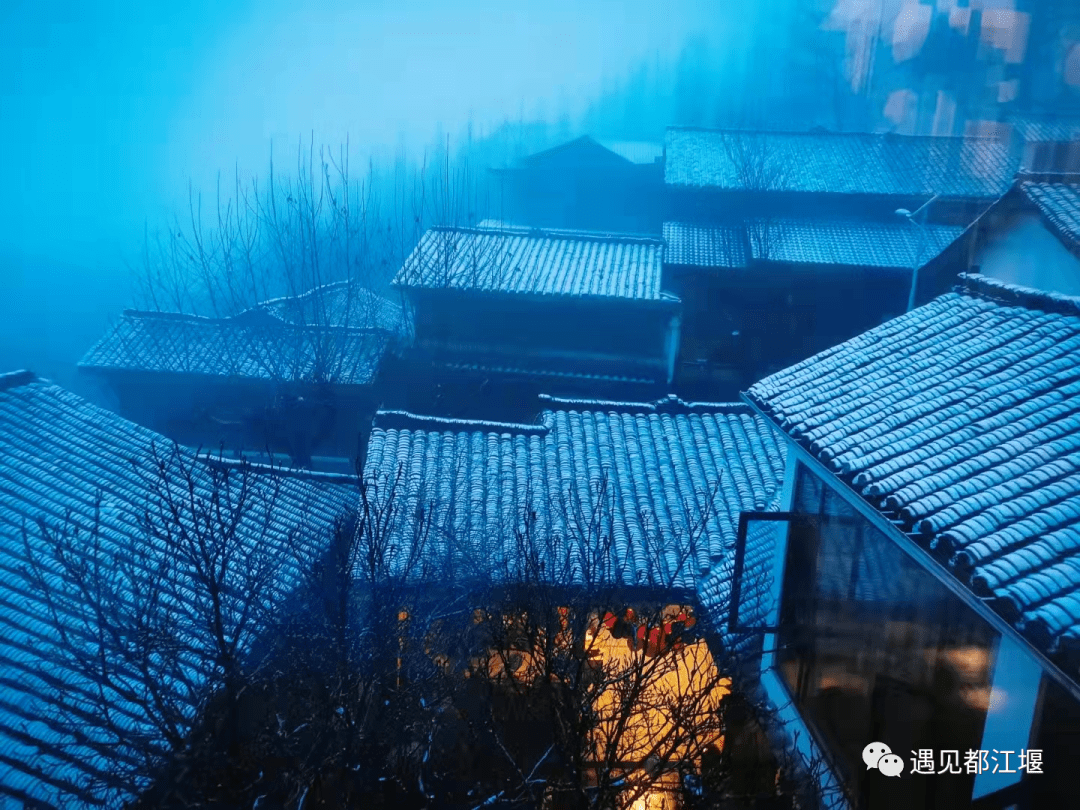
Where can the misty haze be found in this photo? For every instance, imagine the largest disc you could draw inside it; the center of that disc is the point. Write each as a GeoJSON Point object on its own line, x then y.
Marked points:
{"type": "Point", "coordinates": [635, 405]}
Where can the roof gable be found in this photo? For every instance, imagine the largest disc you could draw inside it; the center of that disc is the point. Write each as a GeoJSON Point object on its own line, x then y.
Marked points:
{"type": "Point", "coordinates": [837, 163]}
{"type": "Point", "coordinates": [1059, 204]}
{"type": "Point", "coordinates": [961, 420]}
{"type": "Point", "coordinates": [580, 152]}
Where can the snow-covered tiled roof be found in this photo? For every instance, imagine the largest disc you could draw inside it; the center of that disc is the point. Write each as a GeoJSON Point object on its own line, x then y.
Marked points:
{"type": "Point", "coordinates": [535, 262]}
{"type": "Point", "coordinates": [691, 245]}
{"type": "Point", "coordinates": [605, 370]}
{"type": "Point", "coordinates": [838, 163]}
{"type": "Point", "coordinates": [565, 233]}
{"type": "Point", "coordinates": [58, 456]}
{"type": "Point", "coordinates": [1059, 203]}
{"type": "Point", "coordinates": [857, 243]}
{"type": "Point", "coordinates": [961, 420]}
{"type": "Point", "coordinates": [1047, 130]}
{"type": "Point", "coordinates": [254, 344]}
{"type": "Point", "coordinates": [715, 591]}
{"type": "Point", "coordinates": [853, 242]}
{"type": "Point", "coordinates": [661, 480]}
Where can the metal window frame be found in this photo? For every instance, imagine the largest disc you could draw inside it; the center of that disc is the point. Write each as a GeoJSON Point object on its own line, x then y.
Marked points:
{"type": "Point", "coordinates": [745, 518]}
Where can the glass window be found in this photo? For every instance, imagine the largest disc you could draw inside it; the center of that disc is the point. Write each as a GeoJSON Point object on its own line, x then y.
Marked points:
{"type": "Point", "coordinates": [875, 649]}
{"type": "Point", "coordinates": [1056, 734]}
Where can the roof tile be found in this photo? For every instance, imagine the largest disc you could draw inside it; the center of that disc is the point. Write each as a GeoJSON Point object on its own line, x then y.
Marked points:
{"type": "Point", "coordinates": [241, 346]}
{"type": "Point", "coordinates": [655, 475]}
{"type": "Point", "coordinates": [856, 243]}
{"type": "Point", "coordinates": [58, 455]}
{"type": "Point", "coordinates": [1059, 204]}
{"type": "Point", "coordinates": [839, 163]}
{"type": "Point", "coordinates": [962, 418]}
{"type": "Point", "coordinates": [535, 262]}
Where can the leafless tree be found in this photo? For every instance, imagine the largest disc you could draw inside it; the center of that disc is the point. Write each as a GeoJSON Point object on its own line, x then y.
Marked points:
{"type": "Point", "coordinates": [759, 171]}
{"type": "Point", "coordinates": [292, 276]}
{"type": "Point", "coordinates": [525, 659]}
{"type": "Point", "coordinates": [584, 669]}
{"type": "Point", "coordinates": [341, 707]}
{"type": "Point", "coordinates": [461, 258]}
{"type": "Point", "coordinates": [450, 200]}
{"type": "Point", "coordinates": [153, 613]}
{"type": "Point", "coordinates": [291, 236]}
{"type": "Point", "coordinates": [552, 655]}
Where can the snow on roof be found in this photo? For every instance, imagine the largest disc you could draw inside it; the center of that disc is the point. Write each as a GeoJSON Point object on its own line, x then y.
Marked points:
{"type": "Point", "coordinates": [654, 472]}
{"type": "Point", "coordinates": [1047, 130]}
{"type": "Point", "coordinates": [643, 153]}
{"type": "Point", "coordinates": [61, 459]}
{"type": "Point", "coordinates": [255, 344]}
{"type": "Point", "coordinates": [1059, 203]}
{"type": "Point", "coordinates": [961, 420]}
{"type": "Point", "coordinates": [339, 304]}
{"type": "Point", "coordinates": [858, 243]}
{"type": "Point", "coordinates": [536, 262]}
{"type": "Point", "coordinates": [839, 163]}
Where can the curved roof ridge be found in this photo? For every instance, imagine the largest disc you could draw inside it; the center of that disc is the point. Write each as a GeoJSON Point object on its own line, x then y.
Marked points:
{"type": "Point", "coordinates": [329, 285]}
{"type": "Point", "coordinates": [14, 379]}
{"type": "Point", "coordinates": [506, 229]}
{"type": "Point", "coordinates": [819, 131]}
{"type": "Point", "coordinates": [669, 404]}
{"type": "Point", "coordinates": [406, 420]}
{"type": "Point", "coordinates": [172, 316]}
{"type": "Point", "coordinates": [1002, 292]}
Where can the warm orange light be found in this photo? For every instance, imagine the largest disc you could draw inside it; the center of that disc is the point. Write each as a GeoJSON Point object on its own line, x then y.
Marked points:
{"type": "Point", "coordinates": [686, 677]}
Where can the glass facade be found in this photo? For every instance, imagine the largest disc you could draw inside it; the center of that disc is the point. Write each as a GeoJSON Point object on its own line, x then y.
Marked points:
{"type": "Point", "coordinates": [1056, 735]}
{"type": "Point", "coordinates": [873, 648]}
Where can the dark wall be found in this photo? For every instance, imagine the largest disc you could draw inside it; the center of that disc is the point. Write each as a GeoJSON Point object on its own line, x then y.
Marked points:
{"type": "Point", "coordinates": [740, 325]}
{"type": "Point", "coordinates": [424, 386]}
{"type": "Point", "coordinates": [939, 276]}
{"type": "Point", "coordinates": [713, 207]}
{"type": "Point", "coordinates": [293, 421]}
{"type": "Point", "coordinates": [535, 325]}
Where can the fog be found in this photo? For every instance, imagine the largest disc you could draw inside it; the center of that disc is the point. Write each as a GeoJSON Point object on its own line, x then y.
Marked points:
{"type": "Point", "coordinates": [114, 111]}
{"type": "Point", "coordinates": [111, 110]}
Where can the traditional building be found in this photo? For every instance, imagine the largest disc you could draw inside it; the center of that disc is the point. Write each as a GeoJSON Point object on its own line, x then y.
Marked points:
{"type": "Point", "coordinates": [500, 315]}
{"type": "Point", "coordinates": [784, 244]}
{"type": "Point", "coordinates": [713, 174]}
{"type": "Point", "coordinates": [627, 504]}
{"type": "Point", "coordinates": [293, 376]}
{"type": "Point", "coordinates": [1046, 144]}
{"type": "Point", "coordinates": [751, 308]}
{"type": "Point", "coordinates": [1032, 236]}
{"type": "Point", "coordinates": [586, 184]}
{"type": "Point", "coordinates": [924, 567]}
{"type": "Point", "coordinates": [69, 466]}
{"type": "Point", "coordinates": [670, 476]}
